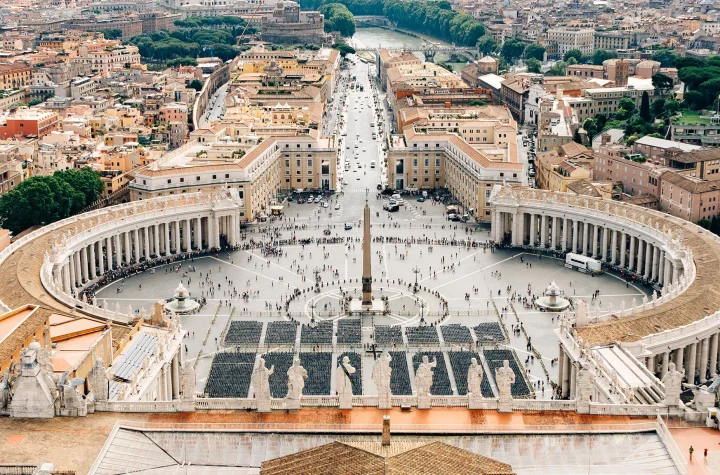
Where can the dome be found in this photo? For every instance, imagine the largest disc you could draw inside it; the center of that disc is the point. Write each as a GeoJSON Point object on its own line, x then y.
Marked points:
{"type": "Point", "coordinates": [35, 345]}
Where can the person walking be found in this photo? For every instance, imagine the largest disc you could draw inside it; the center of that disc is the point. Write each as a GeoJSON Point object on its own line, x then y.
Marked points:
{"type": "Point", "coordinates": [691, 452]}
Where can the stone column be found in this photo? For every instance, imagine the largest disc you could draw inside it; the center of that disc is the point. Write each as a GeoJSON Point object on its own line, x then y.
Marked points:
{"type": "Point", "coordinates": [176, 237]}
{"type": "Point", "coordinates": [575, 237]}
{"type": "Point", "coordinates": [67, 286]}
{"type": "Point", "coordinates": [146, 242]}
{"type": "Point", "coordinates": [84, 264]}
{"type": "Point", "coordinates": [533, 233]}
{"type": "Point", "coordinates": [595, 241]}
{"type": "Point", "coordinates": [613, 249]}
{"type": "Point", "coordinates": [573, 381]}
{"type": "Point", "coordinates": [71, 266]}
{"type": "Point", "coordinates": [101, 257]}
{"type": "Point", "coordinates": [127, 247]}
{"type": "Point", "coordinates": [623, 249]}
{"type": "Point", "coordinates": [680, 358]}
{"type": "Point", "coordinates": [640, 254]}
{"type": "Point", "coordinates": [118, 250]}
{"type": "Point", "coordinates": [561, 365]}
{"type": "Point", "coordinates": [136, 244]}
{"type": "Point", "coordinates": [665, 361]}
{"type": "Point", "coordinates": [667, 273]}
{"type": "Point", "coordinates": [188, 237]}
{"type": "Point", "coordinates": [704, 353]}
{"type": "Point", "coordinates": [631, 262]}
{"type": "Point", "coordinates": [167, 238]}
{"type": "Point", "coordinates": [555, 225]}
{"type": "Point", "coordinates": [675, 272]}
{"type": "Point", "coordinates": [215, 230]}
{"type": "Point", "coordinates": [543, 231]}
{"type": "Point", "coordinates": [92, 261]}
{"type": "Point", "coordinates": [692, 363]}
{"type": "Point", "coordinates": [566, 376]}
{"type": "Point", "coordinates": [605, 243]}
{"type": "Point", "coordinates": [648, 260]}
{"type": "Point", "coordinates": [109, 252]}
{"type": "Point", "coordinates": [521, 228]}
{"type": "Point", "coordinates": [655, 262]}
{"type": "Point", "coordinates": [156, 238]}
{"type": "Point", "coordinates": [713, 355]}
{"type": "Point", "coordinates": [585, 238]}
{"type": "Point", "coordinates": [175, 378]}
{"type": "Point", "coordinates": [198, 232]}
{"type": "Point", "coordinates": [661, 267]}
{"type": "Point", "coordinates": [566, 225]}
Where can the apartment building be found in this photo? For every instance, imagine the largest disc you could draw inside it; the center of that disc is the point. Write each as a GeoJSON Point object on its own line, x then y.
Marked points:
{"type": "Point", "coordinates": [657, 149]}
{"type": "Point", "coordinates": [689, 198]}
{"type": "Point", "coordinates": [568, 38]}
{"type": "Point", "coordinates": [28, 122]}
{"type": "Point", "coordinates": [14, 76]}
{"type": "Point", "coordinates": [467, 155]}
{"type": "Point", "coordinates": [619, 165]}
{"type": "Point", "coordinates": [612, 40]}
{"type": "Point", "coordinates": [555, 172]}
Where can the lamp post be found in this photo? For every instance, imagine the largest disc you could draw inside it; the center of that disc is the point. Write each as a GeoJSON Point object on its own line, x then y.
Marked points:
{"type": "Point", "coordinates": [416, 271]}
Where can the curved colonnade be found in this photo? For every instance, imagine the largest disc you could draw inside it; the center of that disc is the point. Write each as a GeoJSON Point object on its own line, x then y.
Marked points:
{"type": "Point", "coordinates": [51, 265]}
{"type": "Point", "coordinates": [680, 325]}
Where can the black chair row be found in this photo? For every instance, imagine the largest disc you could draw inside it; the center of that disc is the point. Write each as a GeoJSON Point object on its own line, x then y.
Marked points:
{"type": "Point", "coordinates": [495, 360]}
{"type": "Point", "coordinates": [279, 379]}
{"type": "Point", "coordinates": [281, 332]}
{"type": "Point", "coordinates": [356, 377]}
{"type": "Point", "coordinates": [230, 375]}
{"type": "Point", "coordinates": [321, 333]}
{"type": "Point", "coordinates": [244, 333]}
{"type": "Point", "coordinates": [489, 332]}
{"type": "Point", "coordinates": [423, 334]}
{"type": "Point", "coordinates": [460, 362]}
{"type": "Point", "coordinates": [441, 381]}
{"type": "Point", "coordinates": [318, 367]}
{"type": "Point", "coordinates": [349, 331]}
{"type": "Point", "coordinates": [400, 377]}
{"type": "Point", "coordinates": [456, 333]}
{"type": "Point", "coordinates": [387, 335]}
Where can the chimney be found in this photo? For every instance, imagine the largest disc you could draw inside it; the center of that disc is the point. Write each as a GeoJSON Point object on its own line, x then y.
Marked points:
{"type": "Point", "coordinates": [386, 431]}
{"type": "Point", "coordinates": [605, 139]}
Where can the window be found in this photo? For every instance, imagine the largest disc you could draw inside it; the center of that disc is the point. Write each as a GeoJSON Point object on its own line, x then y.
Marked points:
{"type": "Point", "coordinates": [214, 177]}
{"type": "Point", "coordinates": [182, 180]}
{"type": "Point", "coordinates": [227, 175]}
{"type": "Point", "coordinates": [309, 163]}
{"type": "Point", "coordinates": [197, 178]}
{"type": "Point", "coordinates": [169, 180]}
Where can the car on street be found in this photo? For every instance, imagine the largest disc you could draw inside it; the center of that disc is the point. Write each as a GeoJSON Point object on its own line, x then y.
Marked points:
{"type": "Point", "coordinates": [348, 226]}
{"type": "Point", "coordinates": [317, 199]}
{"type": "Point", "coordinates": [421, 199]}
{"type": "Point", "coordinates": [337, 206]}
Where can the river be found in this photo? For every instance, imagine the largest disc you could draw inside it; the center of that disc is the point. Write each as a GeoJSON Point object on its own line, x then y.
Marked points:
{"type": "Point", "coordinates": [385, 38]}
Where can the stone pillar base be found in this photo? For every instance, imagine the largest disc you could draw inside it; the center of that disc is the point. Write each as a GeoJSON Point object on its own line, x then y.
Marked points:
{"type": "Point", "coordinates": [583, 408]}
{"type": "Point", "coordinates": [384, 403]}
{"type": "Point", "coordinates": [475, 402]}
{"type": "Point", "coordinates": [505, 405]}
{"type": "Point", "coordinates": [264, 406]}
{"type": "Point", "coordinates": [345, 402]}
{"type": "Point", "coordinates": [292, 404]}
{"type": "Point", "coordinates": [423, 402]}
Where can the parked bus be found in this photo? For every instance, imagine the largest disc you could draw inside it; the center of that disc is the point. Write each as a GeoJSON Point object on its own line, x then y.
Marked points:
{"type": "Point", "coordinates": [582, 263]}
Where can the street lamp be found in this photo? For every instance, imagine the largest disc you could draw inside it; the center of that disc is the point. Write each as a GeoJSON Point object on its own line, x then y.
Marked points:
{"type": "Point", "coordinates": [422, 311]}
{"type": "Point", "coordinates": [416, 271]}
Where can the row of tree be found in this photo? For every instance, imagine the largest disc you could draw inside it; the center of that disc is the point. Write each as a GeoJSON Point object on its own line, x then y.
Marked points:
{"type": "Point", "coordinates": [338, 18]}
{"type": "Point", "coordinates": [45, 199]}
{"type": "Point", "coordinates": [187, 43]}
{"type": "Point", "coordinates": [434, 17]}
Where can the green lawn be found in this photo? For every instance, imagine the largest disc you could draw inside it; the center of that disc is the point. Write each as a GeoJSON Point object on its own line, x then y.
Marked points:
{"type": "Point", "coordinates": [690, 118]}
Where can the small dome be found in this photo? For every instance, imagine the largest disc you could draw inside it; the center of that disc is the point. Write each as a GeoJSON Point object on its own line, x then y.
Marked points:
{"type": "Point", "coordinates": [35, 345]}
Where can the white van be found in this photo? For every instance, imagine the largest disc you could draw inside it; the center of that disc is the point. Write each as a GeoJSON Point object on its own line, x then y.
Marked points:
{"type": "Point", "coordinates": [372, 163]}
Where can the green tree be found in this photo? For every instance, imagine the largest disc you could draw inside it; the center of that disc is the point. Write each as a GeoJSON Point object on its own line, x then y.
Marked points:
{"type": "Point", "coordinates": [487, 45]}
{"type": "Point", "coordinates": [695, 100]}
{"type": "Point", "coordinates": [601, 55]}
{"type": "Point", "coordinates": [344, 49]}
{"type": "Point", "coordinates": [535, 51]}
{"type": "Point", "coordinates": [112, 34]}
{"type": "Point", "coordinates": [688, 61]}
{"type": "Point", "coordinates": [511, 50]}
{"type": "Point", "coordinates": [174, 63]}
{"type": "Point", "coordinates": [658, 107]}
{"type": "Point", "coordinates": [666, 57]}
{"type": "Point", "coordinates": [662, 83]}
{"type": "Point", "coordinates": [571, 60]}
{"type": "Point", "coordinates": [576, 137]}
{"type": "Point", "coordinates": [533, 65]}
{"type": "Point", "coordinates": [338, 18]}
{"type": "Point", "coordinates": [196, 84]}
{"type": "Point", "coordinates": [631, 140]}
{"type": "Point", "coordinates": [476, 102]}
{"type": "Point", "coordinates": [573, 53]}
{"type": "Point", "coordinates": [645, 107]}
{"type": "Point", "coordinates": [558, 69]}
{"type": "Point", "coordinates": [704, 223]}
{"type": "Point", "coordinates": [672, 107]}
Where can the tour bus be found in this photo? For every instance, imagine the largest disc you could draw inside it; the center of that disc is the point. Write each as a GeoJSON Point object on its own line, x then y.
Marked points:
{"type": "Point", "coordinates": [582, 263]}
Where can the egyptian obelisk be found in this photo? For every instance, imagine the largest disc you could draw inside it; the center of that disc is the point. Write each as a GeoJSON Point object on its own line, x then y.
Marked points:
{"type": "Point", "coordinates": [366, 276]}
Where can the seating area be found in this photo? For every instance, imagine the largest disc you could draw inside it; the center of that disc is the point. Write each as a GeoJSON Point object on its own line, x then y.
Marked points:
{"type": "Point", "coordinates": [230, 375]}
{"type": "Point", "coordinates": [388, 335]}
{"type": "Point", "coordinates": [321, 334]}
{"type": "Point", "coordinates": [456, 333]}
{"type": "Point", "coordinates": [243, 333]}
{"type": "Point", "coordinates": [400, 377]}
{"type": "Point", "coordinates": [281, 332]}
{"type": "Point", "coordinates": [422, 335]}
{"type": "Point", "coordinates": [349, 331]}
{"type": "Point", "coordinates": [495, 359]}
{"type": "Point", "coordinates": [489, 333]}
{"type": "Point", "coordinates": [318, 367]}
{"type": "Point", "coordinates": [441, 381]}
{"type": "Point", "coordinates": [460, 362]}
{"type": "Point", "coordinates": [279, 379]}
{"type": "Point", "coordinates": [355, 378]}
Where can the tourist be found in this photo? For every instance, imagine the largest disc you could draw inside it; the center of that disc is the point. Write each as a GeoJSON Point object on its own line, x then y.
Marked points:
{"type": "Point", "coordinates": [691, 452]}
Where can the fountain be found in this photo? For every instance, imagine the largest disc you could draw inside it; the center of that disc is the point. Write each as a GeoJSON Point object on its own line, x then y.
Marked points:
{"type": "Point", "coordinates": [552, 300]}
{"type": "Point", "coordinates": [182, 303]}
